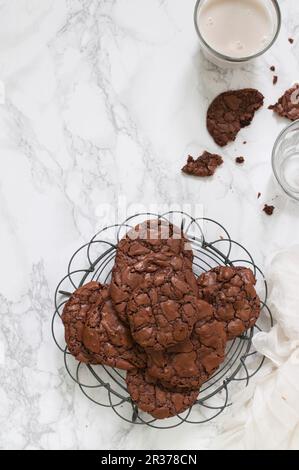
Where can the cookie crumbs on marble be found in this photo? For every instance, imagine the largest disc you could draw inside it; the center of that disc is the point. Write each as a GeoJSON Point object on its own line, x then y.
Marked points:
{"type": "Point", "coordinates": [269, 209]}
{"type": "Point", "coordinates": [203, 166]}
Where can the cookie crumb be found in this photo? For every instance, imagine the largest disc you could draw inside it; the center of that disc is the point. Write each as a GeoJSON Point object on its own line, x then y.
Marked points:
{"type": "Point", "coordinates": [275, 79]}
{"type": "Point", "coordinates": [245, 142]}
{"type": "Point", "coordinates": [205, 165]}
{"type": "Point", "coordinates": [272, 68]}
{"type": "Point", "coordinates": [259, 195]}
{"type": "Point", "coordinates": [268, 209]}
{"type": "Point", "coordinates": [240, 160]}
{"type": "Point", "coordinates": [291, 40]}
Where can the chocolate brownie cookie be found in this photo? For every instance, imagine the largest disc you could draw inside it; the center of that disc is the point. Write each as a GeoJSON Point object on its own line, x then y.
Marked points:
{"type": "Point", "coordinates": [164, 308]}
{"type": "Point", "coordinates": [93, 332]}
{"type": "Point", "coordinates": [232, 293]}
{"type": "Point", "coordinates": [154, 399]}
{"type": "Point", "coordinates": [188, 365]}
{"type": "Point", "coordinates": [288, 105]}
{"type": "Point", "coordinates": [205, 165]}
{"type": "Point", "coordinates": [153, 237]}
{"type": "Point", "coordinates": [148, 248]}
{"type": "Point", "coordinates": [230, 111]}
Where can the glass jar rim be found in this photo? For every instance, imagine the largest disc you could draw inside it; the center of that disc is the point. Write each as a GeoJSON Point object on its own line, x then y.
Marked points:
{"type": "Point", "coordinates": [285, 131]}
{"type": "Point", "coordinates": [219, 55]}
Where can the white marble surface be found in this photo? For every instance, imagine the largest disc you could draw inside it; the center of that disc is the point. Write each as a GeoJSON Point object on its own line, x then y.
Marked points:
{"type": "Point", "coordinates": [106, 98]}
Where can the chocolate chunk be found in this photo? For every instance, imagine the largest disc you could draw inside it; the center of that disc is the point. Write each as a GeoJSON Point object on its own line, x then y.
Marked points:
{"type": "Point", "coordinates": [93, 332]}
{"type": "Point", "coordinates": [188, 365]}
{"type": "Point", "coordinates": [269, 209]}
{"type": "Point", "coordinates": [272, 68]}
{"type": "Point", "coordinates": [288, 105]}
{"type": "Point", "coordinates": [275, 79]}
{"type": "Point", "coordinates": [240, 160]}
{"type": "Point", "coordinates": [231, 111]}
{"type": "Point", "coordinates": [205, 165]}
{"type": "Point", "coordinates": [153, 398]}
{"type": "Point", "coordinates": [291, 40]}
{"type": "Point", "coordinates": [230, 290]}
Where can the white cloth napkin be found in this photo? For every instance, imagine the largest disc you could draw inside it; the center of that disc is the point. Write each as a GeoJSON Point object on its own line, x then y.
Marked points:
{"type": "Point", "coordinates": [266, 414]}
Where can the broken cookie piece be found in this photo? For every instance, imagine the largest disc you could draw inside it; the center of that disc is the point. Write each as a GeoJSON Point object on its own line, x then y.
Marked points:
{"type": "Point", "coordinates": [230, 111]}
{"type": "Point", "coordinates": [205, 165]}
{"type": "Point", "coordinates": [288, 105]}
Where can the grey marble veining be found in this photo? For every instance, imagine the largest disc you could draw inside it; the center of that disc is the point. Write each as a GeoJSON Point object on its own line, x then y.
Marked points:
{"type": "Point", "coordinates": [105, 99]}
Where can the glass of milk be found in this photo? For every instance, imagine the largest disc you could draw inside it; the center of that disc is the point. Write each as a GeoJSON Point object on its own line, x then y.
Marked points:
{"type": "Point", "coordinates": [285, 160]}
{"type": "Point", "coordinates": [236, 31]}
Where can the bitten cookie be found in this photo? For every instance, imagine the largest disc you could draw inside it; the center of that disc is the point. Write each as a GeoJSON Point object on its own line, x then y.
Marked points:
{"type": "Point", "coordinates": [230, 111]}
{"type": "Point", "coordinates": [232, 293]}
{"type": "Point", "coordinates": [288, 105]}
{"type": "Point", "coordinates": [154, 399]}
{"type": "Point", "coordinates": [93, 332]}
{"type": "Point", "coordinates": [188, 365]}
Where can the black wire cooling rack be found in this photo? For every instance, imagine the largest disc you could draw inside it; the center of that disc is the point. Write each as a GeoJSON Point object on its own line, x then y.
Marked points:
{"type": "Point", "coordinates": [212, 246]}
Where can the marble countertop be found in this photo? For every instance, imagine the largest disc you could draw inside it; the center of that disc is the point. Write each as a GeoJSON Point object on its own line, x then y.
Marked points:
{"type": "Point", "coordinates": [102, 99]}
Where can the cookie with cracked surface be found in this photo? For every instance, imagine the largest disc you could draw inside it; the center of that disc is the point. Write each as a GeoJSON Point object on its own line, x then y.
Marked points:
{"type": "Point", "coordinates": [153, 398]}
{"type": "Point", "coordinates": [188, 365]}
{"type": "Point", "coordinates": [232, 293]}
{"type": "Point", "coordinates": [231, 111]}
{"type": "Point", "coordinates": [288, 105]}
{"type": "Point", "coordinates": [163, 309]}
{"type": "Point", "coordinates": [93, 332]}
{"type": "Point", "coordinates": [148, 248]}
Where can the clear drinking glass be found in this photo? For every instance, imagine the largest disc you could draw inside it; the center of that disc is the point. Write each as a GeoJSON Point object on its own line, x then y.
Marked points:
{"type": "Point", "coordinates": [223, 60]}
{"type": "Point", "coordinates": [285, 160]}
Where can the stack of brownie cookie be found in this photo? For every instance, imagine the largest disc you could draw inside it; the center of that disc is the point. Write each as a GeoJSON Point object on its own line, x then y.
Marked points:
{"type": "Point", "coordinates": [166, 328]}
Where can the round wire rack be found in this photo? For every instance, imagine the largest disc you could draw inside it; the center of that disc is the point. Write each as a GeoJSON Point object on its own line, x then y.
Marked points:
{"type": "Point", "coordinates": [212, 246]}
